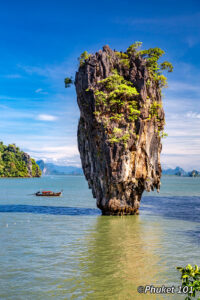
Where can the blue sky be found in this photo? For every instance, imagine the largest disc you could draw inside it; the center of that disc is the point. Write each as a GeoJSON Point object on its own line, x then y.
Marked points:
{"type": "Point", "coordinates": [40, 43]}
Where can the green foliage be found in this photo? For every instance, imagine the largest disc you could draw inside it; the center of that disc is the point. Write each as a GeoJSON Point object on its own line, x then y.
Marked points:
{"type": "Point", "coordinates": [13, 162]}
{"type": "Point", "coordinates": [96, 113]}
{"type": "Point", "coordinates": [163, 135]}
{"type": "Point", "coordinates": [162, 80]}
{"type": "Point", "coordinates": [125, 137]}
{"type": "Point", "coordinates": [132, 49]}
{"type": "Point", "coordinates": [68, 81]}
{"type": "Point", "coordinates": [166, 66]}
{"type": "Point", "coordinates": [115, 102]}
{"type": "Point", "coordinates": [153, 113]}
{"type": "Point", "coordinates": [113, 140]}
{"type": "Point", "coordinates": [125, 62]}
{"type": "Point", "coordinates": [35, 169]}
{"type": "Point", "coordinates": [83, 57]}
{"type": "Point", "coordinates": [101, 97]}
{"type": "Point", "coordinates": [154, 53]}
{"type": "Point", "coordinates": [117, 130]}
{"type": "Point", "coordinates": [118, 136]}
{"type": "Point", "coordinates": [190, 280]}
{"type": "Point", "coordinates": [152, 56]}
{"type": "Point", "coordinates": [133, 111]}
{"type": "Point", "coordinates": [123, 91]}
{"type": "Point", "coordinates": [121, 55]}
{"type": "Point", "coordinates": [124, 59]}
{"type": "Point", "coordinates": [112, 82]}
{"type": "Point", "coordinates": [117, 117]}
{"type": "Point", "coordinates": [117, 89]}
{"type": "Point", "coordinates": [148, 82]}
{"type": "Point", "coordinates": [154, 109]}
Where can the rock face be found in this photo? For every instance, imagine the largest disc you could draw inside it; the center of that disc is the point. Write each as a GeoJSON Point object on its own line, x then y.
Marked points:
{"type": "Point", "coordinates": [194, 173]}
{"type": "Point", "coordinates": [119, 132]}
{"type": "Point", "coordinates": [32, 168]}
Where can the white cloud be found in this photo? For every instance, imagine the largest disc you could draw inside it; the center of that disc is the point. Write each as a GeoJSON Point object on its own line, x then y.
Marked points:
{"type": "Point", "coordinates": [188, 162]}
{"type": "Point", "coordinates": [66, 150]}
{"type": "Point", "coordinates": [182, 146]}
{"type": "Point", "coordinates": [38, 90]}
{"type": "Point", "coordinates": [193, 115]}
{"type": "Point", "coordinates": [57, 149]}
{"type": "Point", "coordinates": [179, 86]}
{"type": "Point", "coordinates": [44, 117]}
{"type": "Point", "coordinates": [41, 91]}
{"type": "Point", "coordinates": [62, 155]}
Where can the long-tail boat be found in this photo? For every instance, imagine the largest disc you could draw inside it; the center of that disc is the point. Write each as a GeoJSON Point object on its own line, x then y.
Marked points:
{"type": "Point", "coordinates": [48, 193]}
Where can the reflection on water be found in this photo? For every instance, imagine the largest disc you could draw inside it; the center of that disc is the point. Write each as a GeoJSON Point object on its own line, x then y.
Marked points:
{"type": "Point", "coordinates": [118, 257]}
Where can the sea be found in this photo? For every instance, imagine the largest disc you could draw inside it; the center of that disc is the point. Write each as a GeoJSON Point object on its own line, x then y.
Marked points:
{"type": "Point", "coordinates": [63, 248]}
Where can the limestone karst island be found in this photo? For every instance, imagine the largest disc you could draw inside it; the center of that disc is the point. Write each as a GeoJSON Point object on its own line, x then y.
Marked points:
{"type": "Point", "coordinates": [16, 163]}
{"type": "Point", "coordinates": [121, 124]}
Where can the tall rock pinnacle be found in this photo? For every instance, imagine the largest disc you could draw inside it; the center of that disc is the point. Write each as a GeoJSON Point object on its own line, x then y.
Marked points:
{"type": "Point", "coordinates": [121, 124]}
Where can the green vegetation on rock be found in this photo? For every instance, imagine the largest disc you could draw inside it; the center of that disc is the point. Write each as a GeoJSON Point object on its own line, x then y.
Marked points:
{"type": "Point", "coordinates": [114, 92]}
{"type": "Point", "coordinates": [117, 101]}
{"type": "Point", "coordinates": [16, 163]}
{"type": "Point", "coordinates": [119, 136]}
{"type": "Point", "coordinates": [132, 49]}
{"type": "Point", "coordinates": [68, 81]}
{"type": "Point", "coordinates": [153, 111]}
{"type": "Point", "coordinates": [114, 97]}
{"type": "Point", "coordinates": [152, 56]}
{"type": "Point", "coordinates": [83, 57]}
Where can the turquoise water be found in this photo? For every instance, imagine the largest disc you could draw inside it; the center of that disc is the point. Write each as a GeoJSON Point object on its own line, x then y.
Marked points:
{"type": "Point", "coordinates": [62, 248]}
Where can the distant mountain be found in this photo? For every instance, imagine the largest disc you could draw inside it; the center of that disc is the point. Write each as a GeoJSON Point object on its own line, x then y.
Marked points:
{"type": "Point", "coordinates": [194, 173]}
{"type": "Point", "coordinates": [180, 172]}
{"type": "Point", "coordinates": [177, 171]}
{"type": "Point", "coordinates": [51, 169]}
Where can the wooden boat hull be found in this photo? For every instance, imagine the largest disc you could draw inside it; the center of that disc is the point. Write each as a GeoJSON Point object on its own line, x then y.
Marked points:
{"type": "Point", "coordinates": [49, 195]}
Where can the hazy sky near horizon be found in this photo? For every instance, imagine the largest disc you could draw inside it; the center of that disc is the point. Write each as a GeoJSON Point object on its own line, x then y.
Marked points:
{"type": "Point", "coordinates": [40, 43]}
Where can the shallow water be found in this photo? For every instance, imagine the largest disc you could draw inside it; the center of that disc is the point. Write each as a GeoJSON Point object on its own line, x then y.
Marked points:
{"type": "Point", "coordinates": [62, 248]}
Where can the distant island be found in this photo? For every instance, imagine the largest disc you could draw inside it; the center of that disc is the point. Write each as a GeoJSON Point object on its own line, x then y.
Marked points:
{"type": "Point", "coordinates": [16, 163]}
{"type": "Point", "coordinates": [51, 169]}
{"type": "Point", "coordinates": [178, 171]}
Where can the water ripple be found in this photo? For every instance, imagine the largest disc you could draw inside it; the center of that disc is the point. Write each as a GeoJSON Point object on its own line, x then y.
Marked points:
{"type": "Point", "coordinates": [51, 210]}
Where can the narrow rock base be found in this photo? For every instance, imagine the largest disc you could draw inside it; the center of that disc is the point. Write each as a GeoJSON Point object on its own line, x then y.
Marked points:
{"type": "Point", "coordinates": [121, 212]}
